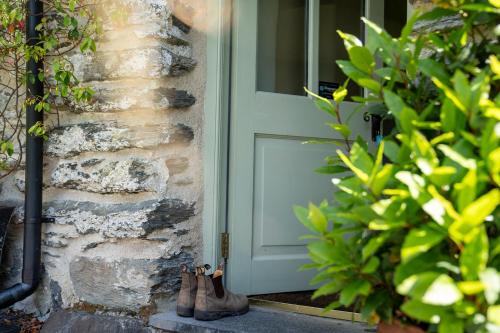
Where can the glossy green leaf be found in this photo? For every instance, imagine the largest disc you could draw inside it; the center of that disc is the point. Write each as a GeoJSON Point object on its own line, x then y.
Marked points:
{"type": "Point", "coordinates": [475, 255]}
{"type": "Point", "coordinates": [317, 218]}
{"type": "Point", "coordinates": [465, 191]}
{"type": "Point", "coordinates": [362, 58]}
{"type": "Point", "coordinates": [475, 214]}
{"type": "Point", "coordinates": [322, 251]}
{"type": "Point", "coordinates": [462, 88]}
{"type": "Point", "coordinates": [491, 281]}
{"type": "Point", "coordinates": [454, 155]}
{"type": "Point", "coordinates": [424, 312]}
{"type": "Point", "coordinates": [331, 169]}
{"type": "Point", "coordinates": [302, 215]}
{"type": "Point", "coordinates": [451, 326]}
{"type": "Point", "coordinates": [371, 266]}
{"type": "Point", "coordinates": [380, 224]}
{"type": "Point", "coordinates": [432, 68]}
{"type": "Point", "coordinates": [349, 39]}
{"type": "Point", "coordinates": [424, 152]}
{"type": "Point", "coordinates": [420, 241]}
{"type": "Point", "coordinates": [431, 288]}
{"type": "Point", "coordinates": [374, 244]}
{"type": "Point", "coordinates": [341, 128]}
{"type": "Point", "coordinates": [353, 289]}
{"type": "Point", "coordinates": [415, 183]}
{"type": "Point", "coordinates": [328, 289]}
{"type": "Point", "coordinates": [493, 163]}
{"type": "Point", "coordinates": [391, 151]}
{"type": "Point", "coordinates": [360, 173]}
{"type": "Point", "coordinates": [381, 179]}
{"type": "Point", "coordinates": [352, 71]}
{"type": "Point", "coordinates": [394, 103]}
{"type": "Point", "coordinates": [340, 94]}
{"type": "Point", "coordinates": [379, 40]}
{"type": "Point", "coordinates": [361, 159]}
{"type": "Point", "coordinates": [370, 84]}
{"type": "Point", "coordinates": [442, 176]}
{"type": "Point", "coordinates": [470, 287]}
{"type": "Point", "coordinates": [451, 94]}
{"type": "Point", "coordinates": [425, 262]}
{"type": "Point", "coordinates": [322, 103]}
{"type": "Point", "coordinates": [494, 314]}
{"type": "Point", "coordinates": [377, 163]}
{"type": "Point", "coordinates": [489, 139]}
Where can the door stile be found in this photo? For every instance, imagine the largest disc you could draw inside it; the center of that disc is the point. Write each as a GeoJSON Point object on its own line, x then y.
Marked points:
{"type": "Point", "coordinates": [242, 141]}
{"type": "Point", "coordinates": [313, 46]}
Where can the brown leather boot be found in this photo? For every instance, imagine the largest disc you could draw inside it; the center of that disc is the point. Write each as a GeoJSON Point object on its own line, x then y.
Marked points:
{"type": "Point", "coordinates": [187, 294]}
{"type": "Point", "coordinates": [213, 301]}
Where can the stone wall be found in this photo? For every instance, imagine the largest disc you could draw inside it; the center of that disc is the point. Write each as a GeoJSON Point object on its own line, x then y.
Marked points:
{"type": "Point", "coordinates": [123, 175]}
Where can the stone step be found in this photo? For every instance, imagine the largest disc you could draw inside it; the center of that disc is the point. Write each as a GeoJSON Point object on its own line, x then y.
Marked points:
{"type": "Point", "coordinates": [258, 320]}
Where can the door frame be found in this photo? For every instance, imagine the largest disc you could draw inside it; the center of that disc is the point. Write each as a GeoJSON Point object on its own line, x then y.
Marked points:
{"type": "Point", "coordinates": [217, 103]}
{"type": "Point", "coordinates": [216, 127]}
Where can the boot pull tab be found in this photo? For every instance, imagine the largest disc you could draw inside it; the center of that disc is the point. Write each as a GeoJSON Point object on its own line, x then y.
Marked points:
{"type": "Point", "coordinates": [184, 268]}
{"type": "Point", "coordinates": [200, 270]}
{"type": "Point", "coordinates": [220, 270]}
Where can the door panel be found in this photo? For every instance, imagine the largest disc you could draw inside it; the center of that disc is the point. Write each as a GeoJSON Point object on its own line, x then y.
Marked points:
{"type": "Point", "coordinates": [283, 178]}
{"type": "Point", "coordinates": [270, 169]}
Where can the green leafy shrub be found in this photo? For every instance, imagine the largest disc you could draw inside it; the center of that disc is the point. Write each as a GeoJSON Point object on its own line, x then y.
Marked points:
{"type": "Point", "coordinates": [413, 233]}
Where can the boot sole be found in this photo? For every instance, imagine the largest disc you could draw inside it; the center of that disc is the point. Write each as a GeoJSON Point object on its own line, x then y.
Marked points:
{"type": "Point", "coordinates": [214, 315]}
{"type": "Point", "coordinates": [185, 312]}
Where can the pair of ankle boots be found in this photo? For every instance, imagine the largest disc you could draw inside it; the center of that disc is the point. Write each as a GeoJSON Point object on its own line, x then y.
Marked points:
{"type": "Point", "coordinates": [205, 298]}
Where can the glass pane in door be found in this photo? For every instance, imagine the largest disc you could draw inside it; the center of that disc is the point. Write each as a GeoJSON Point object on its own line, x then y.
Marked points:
{"type": "Point", "coordinates": [282, 46]}
{"type": "Point", "coordinates": [344, 15]}
{"type": "Point", "coordinates": [395, 14]}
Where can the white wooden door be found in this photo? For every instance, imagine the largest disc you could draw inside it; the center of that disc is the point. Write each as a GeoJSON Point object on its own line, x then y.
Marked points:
{"type": "Point", "coordinates": [276, 53]}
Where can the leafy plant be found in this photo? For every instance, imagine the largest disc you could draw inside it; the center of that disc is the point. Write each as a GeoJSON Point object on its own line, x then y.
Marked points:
{"type": "Point", "coordinates": [413, 232]}
{"type": "Point", "coordinates": [67, 26]}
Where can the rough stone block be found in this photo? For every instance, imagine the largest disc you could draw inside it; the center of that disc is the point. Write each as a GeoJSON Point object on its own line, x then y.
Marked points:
{"type": "Point", "coordinates": [127, 220]}
{"type": "Point", "coordinates": [144, 63]}
{"type": "Point", "coordinates": [123, 96]}
{"type": "Point", "coordinates": [125, 283]}
{"type": "Point", "coordinates": [107, 176]}
{"type": "Point", "coordinates": [445, 23]}
{"type": "Point", "coordinates": [68, 141]}
{"type": "Point", "coordinates": [168, 20]}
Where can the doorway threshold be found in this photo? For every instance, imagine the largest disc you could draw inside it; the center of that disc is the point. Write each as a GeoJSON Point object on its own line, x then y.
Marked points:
{"type": "Point", "coordinates": [307, 310]}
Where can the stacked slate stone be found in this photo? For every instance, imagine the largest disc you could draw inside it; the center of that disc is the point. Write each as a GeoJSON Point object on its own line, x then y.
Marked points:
{"type": "Point", "coordinates": [123, 174]}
